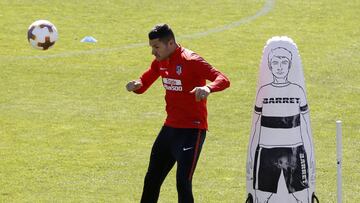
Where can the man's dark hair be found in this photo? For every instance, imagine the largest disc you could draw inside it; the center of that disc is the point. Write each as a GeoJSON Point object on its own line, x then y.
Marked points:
{"type": "Point", "coordinates": [162, 32]}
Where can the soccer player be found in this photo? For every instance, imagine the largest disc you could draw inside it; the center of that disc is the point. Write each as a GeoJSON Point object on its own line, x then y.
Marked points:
{"type": "Point", "coordinates": [184, 74]}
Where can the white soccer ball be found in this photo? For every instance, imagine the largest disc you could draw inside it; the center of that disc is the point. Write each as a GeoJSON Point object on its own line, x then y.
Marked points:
{"type": "Point", "coordinates": [42, 34]}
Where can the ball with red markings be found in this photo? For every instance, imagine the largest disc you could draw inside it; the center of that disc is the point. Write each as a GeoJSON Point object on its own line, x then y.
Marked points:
{"type": "Point", "coordinates": [42, 34]}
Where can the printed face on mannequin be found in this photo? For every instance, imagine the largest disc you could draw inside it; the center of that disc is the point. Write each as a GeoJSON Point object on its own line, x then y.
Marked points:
{"type": "Point", "coordinates": [280, 67]}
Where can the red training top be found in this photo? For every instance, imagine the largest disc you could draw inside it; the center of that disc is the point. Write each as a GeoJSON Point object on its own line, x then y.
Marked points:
{"type": "Point", "coordinates": [181, 73]}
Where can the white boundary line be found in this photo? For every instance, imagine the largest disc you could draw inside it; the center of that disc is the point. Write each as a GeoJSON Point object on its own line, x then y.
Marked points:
{"type": "Point", "coordinates": [268, 6]}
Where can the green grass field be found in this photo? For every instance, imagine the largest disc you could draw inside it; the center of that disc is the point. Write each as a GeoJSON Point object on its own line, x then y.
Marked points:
{"type": "Point", "coordinates": [70, 132]}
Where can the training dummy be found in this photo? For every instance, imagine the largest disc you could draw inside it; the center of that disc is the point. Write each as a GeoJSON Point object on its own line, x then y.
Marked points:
{"type": "Point", "coordinates": [281, 162]}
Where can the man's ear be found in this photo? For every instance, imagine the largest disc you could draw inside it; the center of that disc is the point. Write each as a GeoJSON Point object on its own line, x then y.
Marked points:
{"type": "Point", "coordinates": [171, 42]}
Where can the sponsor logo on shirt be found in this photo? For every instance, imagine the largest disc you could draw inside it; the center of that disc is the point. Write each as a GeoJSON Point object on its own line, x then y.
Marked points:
{"type": "Point", "coordinates": [172, 84]}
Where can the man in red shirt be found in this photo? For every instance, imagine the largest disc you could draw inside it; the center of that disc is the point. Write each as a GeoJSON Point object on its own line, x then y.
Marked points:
{"type": "Point", "coordinates": [184, 75]}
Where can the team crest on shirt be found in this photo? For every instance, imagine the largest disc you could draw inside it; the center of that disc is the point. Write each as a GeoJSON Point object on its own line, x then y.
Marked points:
{"type": "Point", "coordinates": [178, 69]}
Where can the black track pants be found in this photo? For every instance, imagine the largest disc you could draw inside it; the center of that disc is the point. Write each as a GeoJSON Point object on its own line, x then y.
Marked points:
{"type": "Point", "coordinates": [173, 145]}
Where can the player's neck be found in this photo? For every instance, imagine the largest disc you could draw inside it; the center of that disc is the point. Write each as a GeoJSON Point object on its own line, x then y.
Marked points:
{"type": "Point", "coordinates": [175, 46]}
{"type": "Point", "coordinates": [280, 81]}
{"type": "Point", "coordinates": [173, 50]}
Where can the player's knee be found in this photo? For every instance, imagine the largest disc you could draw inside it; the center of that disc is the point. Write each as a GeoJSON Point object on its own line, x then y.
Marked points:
{"type": "Point", "coordinates": [183, 185]}
{"type": "Point", "coordinates": [152, 179]}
